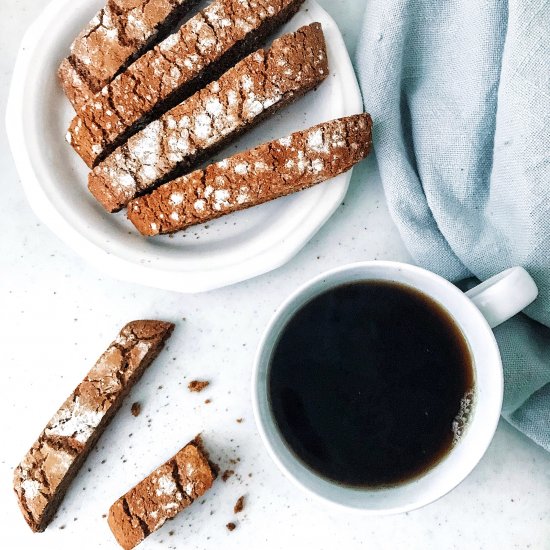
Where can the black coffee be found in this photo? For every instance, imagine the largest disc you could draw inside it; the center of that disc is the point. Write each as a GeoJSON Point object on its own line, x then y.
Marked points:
{"type": "Point", "coordinates": [366, 382]}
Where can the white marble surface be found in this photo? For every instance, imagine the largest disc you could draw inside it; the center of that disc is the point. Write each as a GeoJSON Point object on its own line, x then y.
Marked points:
{"type": "Point", "coordinates": [58, 314]}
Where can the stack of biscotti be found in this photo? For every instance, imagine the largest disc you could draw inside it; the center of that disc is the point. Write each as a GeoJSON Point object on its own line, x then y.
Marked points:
{"type": "Point", "coordinates": [118, 33]}
{"type": "Point", "coordinates": [157, 119]}
{"type": "Point", "coordinates": [184, 62]}
{"type": "Point", "coordinates": [178, 141]}
{"type": "Point", "coordinates": [267, 172]}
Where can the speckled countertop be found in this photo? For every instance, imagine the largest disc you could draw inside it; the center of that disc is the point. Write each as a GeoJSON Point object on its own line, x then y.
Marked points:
{"type": "Point", "coordinates": [58, 314]}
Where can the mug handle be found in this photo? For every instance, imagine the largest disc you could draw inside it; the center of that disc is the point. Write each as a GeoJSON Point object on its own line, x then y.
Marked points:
{"type": "Point", "coordinates": [504, 295]}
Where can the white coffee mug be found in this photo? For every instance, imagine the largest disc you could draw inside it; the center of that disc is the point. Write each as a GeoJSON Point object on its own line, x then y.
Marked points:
{"type": "Point", "coordinates": [475, 312]}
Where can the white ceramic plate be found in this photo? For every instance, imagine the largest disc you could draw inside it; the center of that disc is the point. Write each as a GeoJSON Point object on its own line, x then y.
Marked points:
{"type": "Point", "coordinates": [226, 251]}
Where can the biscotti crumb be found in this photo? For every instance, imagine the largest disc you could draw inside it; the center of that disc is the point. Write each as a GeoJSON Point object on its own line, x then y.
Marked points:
{"type": "Point", "coordinates": [164, 493]}
{"type": "Point", "coordinates": [262, 174]}
{"type": "Point", "coordinates": [197, 385]}
{"type": "Point", "coordinates": [239, 420]}
{"type": "Point", "coordinates": [231, 526]}
{"type": "Point", "coordinates": [208, 401]}
{"type": "Point", "coordinates": [227, 474]}
{"type": "Point", "coordinates": [239, 505]}
{"type": "Point", "coordinates": [199, 52]}
{"type": "Point", "coordinates": [136, 408]}
{"type": "Point", "coordinates": [44, 475]}
{"type": "Point", "coordinates": [259, 85]}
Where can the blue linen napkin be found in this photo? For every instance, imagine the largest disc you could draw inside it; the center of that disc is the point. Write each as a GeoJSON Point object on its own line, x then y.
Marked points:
{"type": "Point", "coordinates": [459, 91]}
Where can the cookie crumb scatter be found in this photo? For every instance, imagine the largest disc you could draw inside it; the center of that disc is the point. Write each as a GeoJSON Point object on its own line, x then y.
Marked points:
{"type": "Point", "coordinates": [136, 408]}
{"type": "Point", "coordinates": [239, 505]}
{"type": "Point", "coordinates": [208, 401]}
{"type": "Point", "coordinates": [197, 385]}
{"type": "Point", "coordinates": [231, 526]}
{"type": "Point", "coordinates": [239, 420]}
{"type": "Point", "coordinates": [227, 474]}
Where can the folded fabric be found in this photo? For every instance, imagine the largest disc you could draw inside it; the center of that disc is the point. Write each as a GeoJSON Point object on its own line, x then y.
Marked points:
{"type": "Point", "coordinates": [459, 92]}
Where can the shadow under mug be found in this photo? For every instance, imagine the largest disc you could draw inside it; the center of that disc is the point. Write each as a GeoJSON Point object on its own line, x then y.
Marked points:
{"type": "Point", "coordinates": [475, 312]}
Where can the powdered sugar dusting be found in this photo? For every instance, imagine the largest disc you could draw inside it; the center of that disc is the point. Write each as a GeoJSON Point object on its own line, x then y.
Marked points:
{"type": "Point", "coordinates": [31, 488]}
{"type": "Point", "coordinates": [316, 142]}
{"type": "Point", "coordinates": [145, 146]}
{"type": "Point", "coordinates": [176, 198]}
{"type": "Point", "coordinates": [75, 420]}
{"type": "Point", "coordinates": [241, 168]}
{"type": "Point", "coordinates": [166, 486]}
{"type": "Point", "coordinates": [286, 141]}
{"type": "Point", "coordinates": [168, 43]}
{"type": "Point", "coordinates": [221, 199]}
{"type": "Point", "coordinates": [203, 126]}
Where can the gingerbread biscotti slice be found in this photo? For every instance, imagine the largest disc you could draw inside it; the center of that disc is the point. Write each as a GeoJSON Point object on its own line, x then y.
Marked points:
{"type": "Point", "coordinates": [119, 33]}
{"type": "Point", "coordinates": [163, 494]}
{"type": "Point", "coordinates": [43, 476]}
{"type": "Point", "coordinates": [247, 179]}
{"type": "Point", "coordinates": [199, 52]}
{"type": "Point", "coordinates": [262, 83]}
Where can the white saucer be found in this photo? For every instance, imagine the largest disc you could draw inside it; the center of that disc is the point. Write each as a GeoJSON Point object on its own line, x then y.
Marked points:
{"type": "Point", "coordinates": [226, 251]}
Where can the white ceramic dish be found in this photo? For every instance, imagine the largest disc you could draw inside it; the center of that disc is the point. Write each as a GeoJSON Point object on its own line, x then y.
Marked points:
{"type": "Point", "coordinates": [229, 250]}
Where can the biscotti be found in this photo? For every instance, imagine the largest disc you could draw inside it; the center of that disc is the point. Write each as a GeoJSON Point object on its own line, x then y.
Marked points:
{"type": "Point", "coordinates": [161, 495]}
{"type": "Point", "coordinates": [260, 84]}
{"type": "Point", "coordinates": [203, 48]}
{"type": "Point", "coordinates": [247, 179]}
{"type": "Point", "coordinates": [119, 33]}
{"type": "Point", "coordinates": [43, 476]}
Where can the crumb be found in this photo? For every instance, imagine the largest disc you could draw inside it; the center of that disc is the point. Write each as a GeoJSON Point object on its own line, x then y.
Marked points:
{"type": "Point", "coordinates": [63, 527]}
{"type": "Point", "coordinates": [197, 385]}
{"type": "Point", "coordinates": [136, 408]}
{"type": "Point", "coordinates": [239, 505]}
{"type": "Point", "coordinates": [207, 401]}
{"type": "Point", "coordinates": [239, 420]}
{"type": "Point", "coordinates": [227, 474]}
{"type": "Point", "coordinates": [171, 533]}
{"type": "Point", "coordinates": [103, 515]}
{"type": "Point", "coordinates": [231, 526]}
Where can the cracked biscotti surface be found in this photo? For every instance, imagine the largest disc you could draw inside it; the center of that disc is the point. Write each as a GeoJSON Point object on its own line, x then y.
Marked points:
{"type": "Point", "coordinates": [118, 33]}
{"type": "Point", "coordinates": [267, 172]}
{"type": "Point", "coordinates": [260, 84]}
{"type": "Point", "coordinates": [199, 52]}
{"type": "Point", "coordinates": [161, 495]}
{"type": "Point", "coordinates": [44, 474]}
